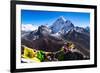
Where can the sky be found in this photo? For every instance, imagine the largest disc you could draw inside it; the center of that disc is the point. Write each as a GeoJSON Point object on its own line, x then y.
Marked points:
{"type": "Point", "coordinates": [37, 18]}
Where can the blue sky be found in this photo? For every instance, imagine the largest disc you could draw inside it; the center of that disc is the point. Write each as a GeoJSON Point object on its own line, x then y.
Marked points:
{"type": "Point", "coordinates": [48, 17]}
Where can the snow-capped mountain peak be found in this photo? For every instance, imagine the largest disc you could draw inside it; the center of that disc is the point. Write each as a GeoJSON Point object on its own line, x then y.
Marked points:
{"type": "Point", "coordinates": [62, 18]}
{"type": "Point", "coordinates": [61, 24]}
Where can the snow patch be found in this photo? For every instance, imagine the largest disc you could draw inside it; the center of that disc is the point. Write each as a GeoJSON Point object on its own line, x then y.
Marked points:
{"type": "Point", "coordinates": [28, 27]}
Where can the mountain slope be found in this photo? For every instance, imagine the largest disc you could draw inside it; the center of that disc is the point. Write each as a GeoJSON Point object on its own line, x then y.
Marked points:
{"type": "Point", "coordinates": [42, 39]}
{"type": "Point", "coordinates": [81, 40]}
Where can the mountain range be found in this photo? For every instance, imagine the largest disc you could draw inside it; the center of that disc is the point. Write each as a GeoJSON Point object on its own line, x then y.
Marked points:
{"type": "Point", "coordinates": [52, 38]}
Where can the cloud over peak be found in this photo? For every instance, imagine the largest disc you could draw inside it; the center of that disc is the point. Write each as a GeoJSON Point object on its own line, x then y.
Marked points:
{"type": "Point", "coordinates": [28, 27]}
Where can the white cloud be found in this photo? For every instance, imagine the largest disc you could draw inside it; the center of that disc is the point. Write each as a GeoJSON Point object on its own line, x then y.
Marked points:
{"type": "Point", "coordinates": [28, 27]}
